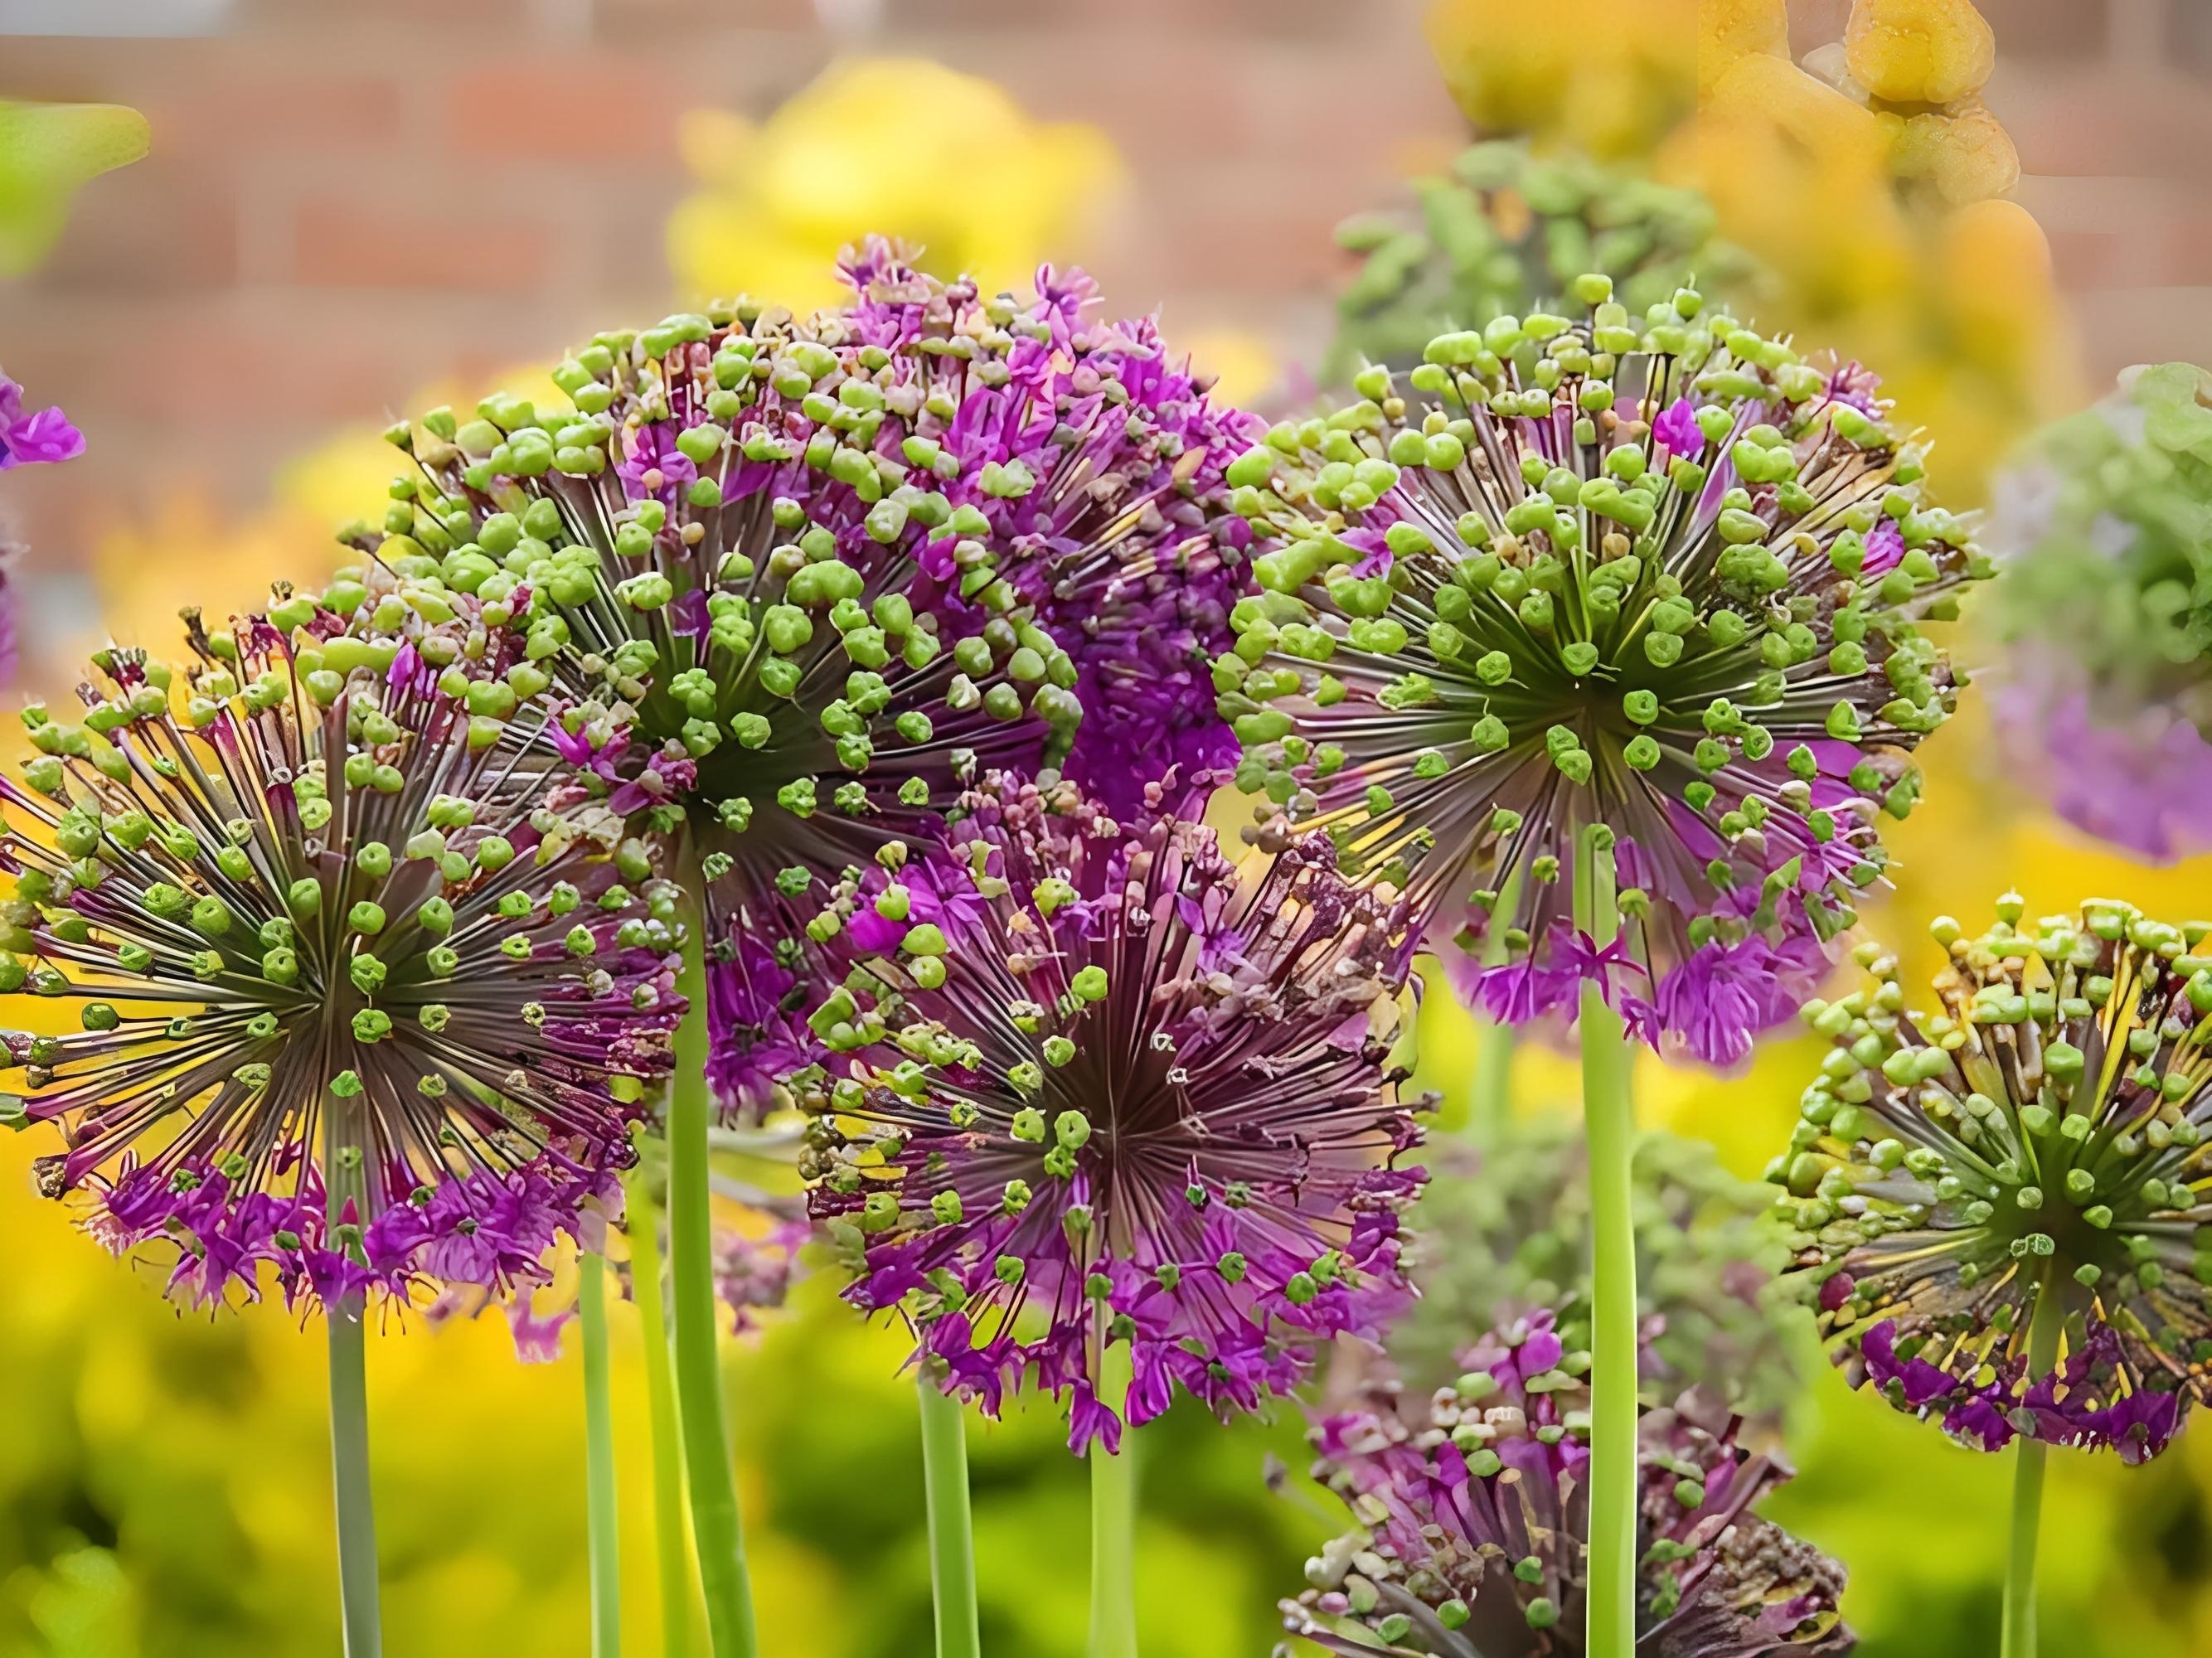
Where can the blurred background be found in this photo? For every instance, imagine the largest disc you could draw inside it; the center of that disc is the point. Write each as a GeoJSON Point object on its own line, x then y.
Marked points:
{"type": "Point", "coordinates": [351, 210]}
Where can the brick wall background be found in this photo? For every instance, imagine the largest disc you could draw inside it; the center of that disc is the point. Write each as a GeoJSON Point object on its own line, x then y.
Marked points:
{"type": "Point", "coordinates": [346, 200]}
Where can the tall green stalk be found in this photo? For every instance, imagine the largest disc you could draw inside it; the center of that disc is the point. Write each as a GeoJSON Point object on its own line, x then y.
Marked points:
{"type": "Point", "coordinates": [951, 1529]}
{"type": "Point", "coordinates": [603, 1528]}
{"type": "Point", "coordinates": [1490, 1105]}
{"type": "Point", "coordinates": [2018, 1637]}
{"type": "Point", "coordinates": [1113, 1522]}
{"type": "Point", "coordinates": [724, 1578]}
{"type": "Point", "coordinates": [357, 1586]}
{"type": "Point", "coordinates": [669, 1522]}
{"type": "Point", "coordinates": [1609, 1128]}
{"type": "Point", "coordinates": [363, 1618]}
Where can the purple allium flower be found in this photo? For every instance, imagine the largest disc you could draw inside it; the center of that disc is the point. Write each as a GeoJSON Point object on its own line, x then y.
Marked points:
{"type": "Point", "coordinates": [363, 1006]}
{"type": "Point", "coordinates": [2105, 701]}
{"type": "Point", "coordinates": [1473, 1512]}
{"type": "Point", "coordinates": [1100, 461]}
{"type": "Point", "coordinates": [2028, 1152]}
{"type": "Point", "coordinates": [1140, 1096]}
{"type": "Point", "coordinates": [2137, 774]}
{"type": "Point", "coordinates": [1500, 608]}
{"type": "Point", "coordinates": [725, 564]}
{"type": "Point", "coordinates": [1505, 1229]}
{"type": "Point", "coordinates": [42, 435]}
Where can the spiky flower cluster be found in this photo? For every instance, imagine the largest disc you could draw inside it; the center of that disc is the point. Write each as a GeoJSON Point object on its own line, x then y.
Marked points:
{"type": "Point", "coordinates": [1117, 1092]}
{"type": "Point", "coordinates": [714, 563]}
{"type": "Point", "coordinates": [1506, 228]}
{"type": "Point", "coordinates": [2105, 530]}
{"type": "Point", "coordinates": [362, 1004]}
{"type": "Point", "coordinates": [1505, 1229]}
{"type": "Point", "coordinates": [1473, 1511]}
{"type": "Point", "coordinates": [1660, 577]}
{"type": "Point", "coordinates": [2000, 1207]}
{"type": "Point", "coordinates": [1123, 546]}
{"type": "Point", "coordinates": [801, 582]}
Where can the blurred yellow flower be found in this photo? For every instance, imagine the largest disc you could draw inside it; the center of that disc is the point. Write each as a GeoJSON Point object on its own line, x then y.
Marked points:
{"type": "Point", "coordinates": [1607, 76]}
{"type": "Point", "coordinates": [1868, 180]}
{"type": "Point", "coordinates": [48, 152]}
{"type": "Point", "coordinates": [902, 146]}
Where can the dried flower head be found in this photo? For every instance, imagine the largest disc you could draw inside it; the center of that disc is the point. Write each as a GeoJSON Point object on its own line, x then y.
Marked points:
{"type": "Point", "coordinates": [1474, 1511]}
{"type": "Point", "coordinates": [363, 1005]}
{"type": "Point", "coordinates": [1999, 1207]}
{"type": "Point", "coordinates": [1663, 579]}
{"type": "Point", "coordinates": [1126, 1093]}
{"type": "Point", "coordinates": [1505, 1229]}
{"type": "Point", "coordinates": [2105, 532]}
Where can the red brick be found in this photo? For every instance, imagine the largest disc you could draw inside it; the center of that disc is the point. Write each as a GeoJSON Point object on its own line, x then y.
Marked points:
{"type": "Point", "coordinates": [2086, 260]}
{"type": "Point", "coordinates": [157, 225]}
{"type": "Point", "coordinates": [593, 111]}
{"type": "Point", "coordinates": [2050, 29]}
{"type": "Point", "coordinates": [2186, 249]}
{"type": "Point", "coordinates": [289, 106]}
{"type": "Point", "coordinates": [341, 243]}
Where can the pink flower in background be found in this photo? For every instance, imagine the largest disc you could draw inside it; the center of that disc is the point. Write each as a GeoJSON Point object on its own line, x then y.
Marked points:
{"type": "Point", "coordinates": [41, 435]}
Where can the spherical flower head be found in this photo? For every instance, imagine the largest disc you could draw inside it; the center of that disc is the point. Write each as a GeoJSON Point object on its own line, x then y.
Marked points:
{"type": "Point", "coordinates": [1133, 1096]}
{"type": "Point", "coordinates": [1102, 459]}
{"type": "Point", "coordinates": [361, 1006]}
{"type": "Point", "coordinates": [1473, 1514]}
{"type": "Point", "coordinates": [1659, 580]}
{"type": "Point", "coordinates": [716, 561]}
{"type": "Point", "coordinates": [1504, 229]}
{"type": "Point", "coordinates": [1505, 1229]}
{"type": "Point", "coordinates": [2104, 530]}
{"type": "Point", "coordinates": [2028, 1153]}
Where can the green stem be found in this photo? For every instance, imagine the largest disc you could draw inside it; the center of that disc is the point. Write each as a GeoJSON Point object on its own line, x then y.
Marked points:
{"type": "Point", "coordinates": [951, 1529]}
{"type": "Point", "coordinates": [1609, 1127]}
{"type": "Point", "coordinates": [603, 1530]}
{"type": "Point", "coordinates": [2018, 1638]}
{"type": "Point", "coordinates": [715, 1529]}
{"type": "Point", "coordinates": [1489, 1106]}
{"type": "Point", "coordinates": [642, 1222]}
{"type": "Point", "coordinates": [1114, 1521]}
{"type": "Point", "coordinates": [357, 1589]}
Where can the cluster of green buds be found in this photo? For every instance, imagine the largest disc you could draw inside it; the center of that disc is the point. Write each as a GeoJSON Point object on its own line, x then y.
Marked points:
{"type": "Point", "coordinates": [1659, 574]}
{"type": "Point", "coordinates": [348, 985]}
{"type": "Point", "coordinates": [2012, 1190]}
{"type": "Point", "coordinates": [730, 558]}
{"type": "Point", "coordinates": [1504, 229]}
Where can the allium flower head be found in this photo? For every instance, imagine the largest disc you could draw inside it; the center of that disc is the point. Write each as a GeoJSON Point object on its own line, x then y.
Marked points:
{"type": "Point", "coordinates": [1504, 1228]}
{"type": "Point", "coordinates": [2034, 1146]}
{"type": "Point", "coordinates": [2105, 531]}
{"type": "Point", "coordinates": [1665, 578]}
{"type": "Point", "coordinates": [716, 562]}
{"type": "Point", "coordinates": [1131, 1094]}
{"type": "Point", "coordinates": [806, 581]}
{"type": "Point", "coordinates": [1504, 228]}
{"type": "Point", "coordinates": [1473, 1515]}
{"type": "Point", "coordinates": [363, 1005]}
{"type": "Point", "coordinates": [1111, 523]}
